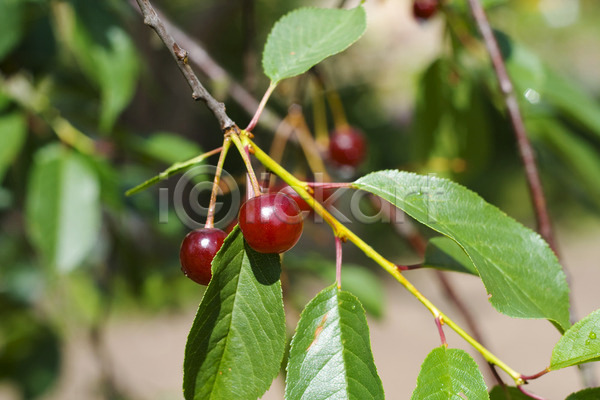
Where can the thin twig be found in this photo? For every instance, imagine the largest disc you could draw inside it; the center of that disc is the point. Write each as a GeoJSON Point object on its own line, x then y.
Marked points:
{"type": "Point", "coordinates": [180, 55]}
{"type": "Point", "coordinates": [525, 149]}
{"type": "Point", "coordinates": [526, 393]}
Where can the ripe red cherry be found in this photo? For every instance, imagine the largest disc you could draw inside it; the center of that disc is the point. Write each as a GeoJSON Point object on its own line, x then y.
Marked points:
{"type": "Point", "coordinates": [197, 252]}
{"type": "Point", "coordinates": [347, 147]}
{"type": "Point", "coordinates": [424, 9]}
{"type": "Point", "coordinates": [271, 223]}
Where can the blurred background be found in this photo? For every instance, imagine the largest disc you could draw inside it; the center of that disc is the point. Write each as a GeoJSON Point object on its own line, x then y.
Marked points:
{"type": "Point", "coordinates": [93, 304]}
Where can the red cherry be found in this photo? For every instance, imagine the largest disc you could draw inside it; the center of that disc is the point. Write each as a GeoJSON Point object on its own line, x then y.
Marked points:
{"type": "Point", "coordinates": [424, 9]}
{"type": "Point", "coordinates": [347, 147]}
{"type": "Point", "coordinates": [271, 223]}
{"type": "Point", "coordinates": [197, 252]}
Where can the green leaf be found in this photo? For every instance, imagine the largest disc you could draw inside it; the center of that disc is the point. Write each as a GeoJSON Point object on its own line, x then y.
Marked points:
{"type": "Point", "coordinates": [107, 56]}
{"type": "Point", "coordinates": [579, 345]}
{"type": "Point", "coordinates": [520, 272]}
{"type": "Point", "coordinates": [307, 36]}
{"type": "Point", "coordinates": [11, 25]}
{"type": "Point", "coordinates": [507, 393]}
{"type": "Point", "coordinates": [13, 130]}
{"type": "Point", "coordinates": [235, 347]}
{"type": "Point", "coordinates": [169, 147]}
{"type": "Point", "coordinates": [63, 207]}
{"type": "Point", "coordinates": [172, 170]}
{"type": "Point", "coordinates": [330, 355]}
{"type": "Point", "coordinates": [586, 394]}
{"type": "Point", "coordinates": [449, 374]}
{"type": "Point", "coordinates": [445, 253]}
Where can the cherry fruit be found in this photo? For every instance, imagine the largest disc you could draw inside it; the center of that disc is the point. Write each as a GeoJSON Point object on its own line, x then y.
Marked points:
{"type": "Point", "coordinates": [197, 252]}
{"type": "Point", "coordinates": [271, 223]}
{"type": "Point", "coordinates": [347, 147]}
{"type": "Point", "coordinates": [424, 9]}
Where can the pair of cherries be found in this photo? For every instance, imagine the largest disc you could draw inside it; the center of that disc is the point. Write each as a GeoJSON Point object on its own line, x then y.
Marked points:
{"type": "Point", "coordinates": [270, 223]}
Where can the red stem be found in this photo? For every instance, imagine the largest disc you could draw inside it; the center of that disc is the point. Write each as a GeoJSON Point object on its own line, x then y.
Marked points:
{"type": "Point", "coordinates": [535, 376]}
{"type": "Point", "coordinates": [439, 323]}
{"type": "Point", "coordinates": [525, 149]}
{"type": "Point", "coordinates": [526, 393]}
{"type": "Point", "coordinates": [338, 261]}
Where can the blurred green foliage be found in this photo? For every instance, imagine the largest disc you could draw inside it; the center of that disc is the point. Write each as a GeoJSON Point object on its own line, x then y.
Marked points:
{"type": "Point", "coordinates": [91, 105]}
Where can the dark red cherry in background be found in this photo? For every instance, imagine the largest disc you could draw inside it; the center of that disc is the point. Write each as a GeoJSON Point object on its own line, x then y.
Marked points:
{"type": "Point", "coordinates": [197, 252]}
{"type": "Point", "coordinates": [347, 147]}
{"type": "Point", "coordinates": [271, 223]}
{"type": "Point", "coordinates": [424, 9]}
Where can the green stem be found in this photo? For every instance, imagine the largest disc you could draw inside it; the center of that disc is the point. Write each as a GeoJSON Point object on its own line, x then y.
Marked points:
{"type": "Point", "coordinates": [210, 216]}
{"type": "Point", "coordinates": [343, 232]}
{"type": "Point", "coordinates": [244, 153]}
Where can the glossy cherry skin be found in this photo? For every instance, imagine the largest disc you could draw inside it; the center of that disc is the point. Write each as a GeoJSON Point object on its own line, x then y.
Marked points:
{"type": "Point", "coordinates": [424, 9]}
{"type": "Point", "coordinates": [197, 252]}
{"type": "Point", "coordinates": [271, 223]}
{"type": "Point", "coordinates": [347, 147]}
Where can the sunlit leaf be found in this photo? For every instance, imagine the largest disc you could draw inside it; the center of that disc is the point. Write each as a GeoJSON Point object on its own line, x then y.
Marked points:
{"type": "Point", "coordinates": [580, 344]}
{"type": "Point", "coordinates": [518, 268]}
{"type": "Point", "coordinates": [235, 347]}
{"type": "Point", "coordinates": [307, 36]}
{"type": "Point", "coordinates": [330, 355]}
{"type": "Point", "coordinates": [449, 374]}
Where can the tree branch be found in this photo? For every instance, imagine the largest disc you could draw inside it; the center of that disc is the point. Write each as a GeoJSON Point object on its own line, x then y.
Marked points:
{"type": "Point", "coordinates": [525, 150]}
{"type": "Point", "coordinates": [180, 55]}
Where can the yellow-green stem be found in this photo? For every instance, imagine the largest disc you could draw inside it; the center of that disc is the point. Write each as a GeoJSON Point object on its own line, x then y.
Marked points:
{"type": "Point", "coordinates": [345, 233]}
{"type": "Point", "coordinates": [210, 217]}
{"type": "Point", "coordinates": [240, 146]}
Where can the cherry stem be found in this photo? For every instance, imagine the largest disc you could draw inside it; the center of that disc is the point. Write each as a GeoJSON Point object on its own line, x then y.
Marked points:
{"type": "Point", "coordinates": [535, 376]}
{"type": "Point", "coordinates": [408, 267]}
{"type": "Point", "coordinates": [210, 216]}
{"type": "Point", "coordinates": [282, 135]}
{"type": "Point", "coordinates": [320, 115]}
{"type": "Point", "coordinates": [261, 107]}
{"type": "Point", "coordinates": [307, 142]}
{"type": "Point", "coordinates": [337, 109]}
{"type": "Point", "coordinates": [246, 157]}
{"type": "Point", "coordinates": [439, 321]}
{"type": "Point", "coordinates": [338, 261]}
{"type": "Point", "coordinates": [526, 393]}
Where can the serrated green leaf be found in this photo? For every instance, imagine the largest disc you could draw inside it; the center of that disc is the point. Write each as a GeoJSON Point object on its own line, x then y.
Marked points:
{"type": "Point", "coordinates": [330, 355]}
{"type": "Point", "coordinates": [169, 147]}
{"type": "Point", "coordinates": [579, 345]}
{"type": "Point", "coordinates": [235, 347]}
{"type": "Point", "coordinates": [63, 206]}
{"type": "Point", "coordinates": [307, 36]}
{"type": "Point", "coordinates": [449, 374]}
{"type": "Point", "coordinates": [11, 25]}
{"type": "Point", "coordinates": [520, 272]}
{"type": "Point", "coordinates": [445, 253]}
{"type": "Point", "coordinates": [13, 130]}
{"type": "Point", "coordinates": [586, 394]}
{"type": "Point", "coordinates": [507, 393]}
